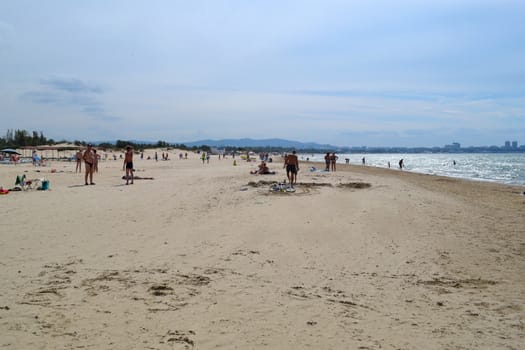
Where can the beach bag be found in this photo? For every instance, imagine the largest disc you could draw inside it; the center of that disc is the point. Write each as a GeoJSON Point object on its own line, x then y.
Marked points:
{"type": "Point", "coordinates": [45, 185]}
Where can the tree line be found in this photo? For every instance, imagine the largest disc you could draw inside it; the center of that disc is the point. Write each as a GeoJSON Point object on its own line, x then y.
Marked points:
{"type": "Point", "coordinates": [21, 138]}
{"type": "Point", "coordinates": [17, 138]}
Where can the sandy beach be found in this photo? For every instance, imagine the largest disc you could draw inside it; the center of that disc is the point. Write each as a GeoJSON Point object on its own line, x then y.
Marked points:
{"type": "Point", "coordinates": [204, 256]}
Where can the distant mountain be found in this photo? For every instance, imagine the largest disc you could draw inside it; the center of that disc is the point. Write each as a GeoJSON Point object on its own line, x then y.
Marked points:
{"type": "Point", "coordinates": [260, 143]}
{"type": "Point", "coordinates": [281, 143]}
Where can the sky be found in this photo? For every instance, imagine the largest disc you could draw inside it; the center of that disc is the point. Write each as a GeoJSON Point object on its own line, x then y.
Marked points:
{"type": "Point", "coordinates": [346, 73]}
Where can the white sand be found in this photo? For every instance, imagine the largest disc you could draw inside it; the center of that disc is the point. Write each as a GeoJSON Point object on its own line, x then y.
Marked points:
{"type": "Point", "coordinates": [198, 259]}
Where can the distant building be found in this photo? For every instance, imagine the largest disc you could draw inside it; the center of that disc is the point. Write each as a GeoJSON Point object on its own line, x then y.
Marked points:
{"type": "Point", "coordinates": [514, 144]}
{"type": "Point", "coordinates": [455, 146]}
{"type": "Point", "coordinates": [507, 144]}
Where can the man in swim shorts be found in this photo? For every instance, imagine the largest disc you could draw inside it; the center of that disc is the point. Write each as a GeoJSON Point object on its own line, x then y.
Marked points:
{"type": "Point", "coordinates": [128, 164]}
{"type": "Point", "coordinates": [291, 162]}
{"type": "Point", "coordinates": [89, 160]}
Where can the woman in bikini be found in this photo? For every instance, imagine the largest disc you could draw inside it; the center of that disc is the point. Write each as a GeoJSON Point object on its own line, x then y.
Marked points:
{"type": "Point", "coordinates": [89, 160]}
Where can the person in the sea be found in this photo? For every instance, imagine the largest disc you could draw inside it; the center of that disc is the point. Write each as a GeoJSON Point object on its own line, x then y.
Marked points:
{"type": "Point", "coordinates": [401, 165]}
{"type": "Point", "coordinates": [89, 160]}
{"type": "Point", "coordinates": [291, 162]}
{"type": "Point", "coordinates": [128, 164]}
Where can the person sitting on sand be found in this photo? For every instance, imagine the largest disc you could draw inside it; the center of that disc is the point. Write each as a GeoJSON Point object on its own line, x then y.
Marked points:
{"type": "Point", "coordinates": [263, 169]}
{"type": "Point", "coordinates": [128, 164]}
{"type": "Point", "coordinates": [291, 162]}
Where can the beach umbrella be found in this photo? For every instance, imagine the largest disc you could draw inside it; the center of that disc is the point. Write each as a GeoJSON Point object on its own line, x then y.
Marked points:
{"type": "Point", "coordinates": [10, 151]}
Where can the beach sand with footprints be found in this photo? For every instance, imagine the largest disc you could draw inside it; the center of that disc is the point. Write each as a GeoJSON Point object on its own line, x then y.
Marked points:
{"type": "Point", "coordinates": [205, 256]}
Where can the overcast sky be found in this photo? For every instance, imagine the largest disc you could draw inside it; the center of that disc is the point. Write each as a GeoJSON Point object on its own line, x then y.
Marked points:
{"type": "Point", "coordinates": [351, 73]}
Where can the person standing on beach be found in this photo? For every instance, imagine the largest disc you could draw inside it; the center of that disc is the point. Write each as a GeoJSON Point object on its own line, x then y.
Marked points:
{"type": "Point", "coordinates": [401, 164]}
{"type": "Point", "coordinates": [78, 157]}
{"type": "Point", "coordinates": [333, 159]}
{"type": "Point", "coordinates": [128, 164]}
{"type": "Point", "coordinates": [291, 162]}
{"type": "Point", "coordinates": [89, 160]}
{"type": "Point", "coordinates": [327, 161]}
{"type": "Point", "coordinates": [95, 161]}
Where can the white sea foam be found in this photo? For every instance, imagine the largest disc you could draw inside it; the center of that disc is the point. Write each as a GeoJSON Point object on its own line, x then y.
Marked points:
{"type": "Point", "coordinates": [508, 168]}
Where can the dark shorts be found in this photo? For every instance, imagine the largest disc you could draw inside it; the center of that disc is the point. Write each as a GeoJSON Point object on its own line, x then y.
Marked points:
{"type": "Point", "coordinates": [129, 165]}
{"type": "Point", "coordinates": [291, 168]}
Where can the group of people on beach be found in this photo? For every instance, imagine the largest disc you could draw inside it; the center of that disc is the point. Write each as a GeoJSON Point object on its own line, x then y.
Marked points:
{"type": "Point", "coordinates": [291, 164]}
{"type": "Point", "coordinates": [91, 158]}
{"type": "Point", "coordinates": [330, 160]}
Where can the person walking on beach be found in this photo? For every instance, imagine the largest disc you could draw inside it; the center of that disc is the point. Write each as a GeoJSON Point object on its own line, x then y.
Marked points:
{"type": "Point", "coordinates": [291, 162]}
{"type": "Point", "coordinates": [89, 161]}
{"type": "Point", "coordinates": [128, 164]}
{"type": "Point", "coordinates": [333, 159]}
{"type": "Point", "coordinates": [78, 157]}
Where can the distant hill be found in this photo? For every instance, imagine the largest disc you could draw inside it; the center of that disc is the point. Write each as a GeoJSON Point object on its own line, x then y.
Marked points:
{"type": "Point", "coordinates": [260, 143]}
{"type": "Point", "coordinates": [246, 142]}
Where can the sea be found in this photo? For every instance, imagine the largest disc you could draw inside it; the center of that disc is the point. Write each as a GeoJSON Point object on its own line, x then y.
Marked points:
{"type": "Point", "coordinates": [506, 168]}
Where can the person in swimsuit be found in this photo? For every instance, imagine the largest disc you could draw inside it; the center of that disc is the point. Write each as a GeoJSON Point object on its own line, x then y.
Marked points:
{"type": "Point", "coordinates": [333, 160]}
{"type": "Point", "coordinates": [95, 161]}
{"type": "Point", "coordinates": [78, 157]}
{"type": "Point", "coordinates": [327, 161]}
{"type": "Point", "coordinates": [89, 160]}
{"type": "Point", "coordinates": [128, 164]}
{"type": "Point", "coordinates": [291, 162]}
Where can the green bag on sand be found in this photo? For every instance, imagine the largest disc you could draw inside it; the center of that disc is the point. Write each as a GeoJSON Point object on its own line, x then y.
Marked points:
{"type": "Point", "coordinates": [20, 179]}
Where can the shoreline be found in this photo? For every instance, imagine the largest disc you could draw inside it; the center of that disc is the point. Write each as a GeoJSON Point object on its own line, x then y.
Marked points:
{"type": "Point", "coordinates": [471, 171]}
